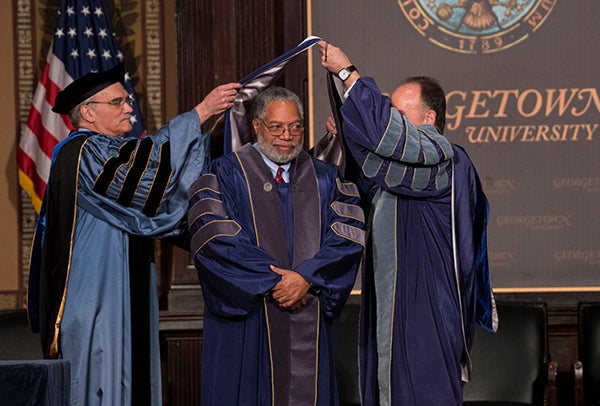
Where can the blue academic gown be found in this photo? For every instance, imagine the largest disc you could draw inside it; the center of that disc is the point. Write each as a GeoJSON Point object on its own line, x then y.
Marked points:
{"type": "Point", "coordinates": [122, 187]}
{"type": "Point", "coordinates": [241, 222]}
{"type": "Point", "coordinates": [426, 277]}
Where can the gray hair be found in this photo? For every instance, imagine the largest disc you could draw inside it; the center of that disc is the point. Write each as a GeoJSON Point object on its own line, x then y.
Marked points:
{"type": "Point", "coordinates": [271, 94]}
{"type": "Point", "coordinates": [75, 114]}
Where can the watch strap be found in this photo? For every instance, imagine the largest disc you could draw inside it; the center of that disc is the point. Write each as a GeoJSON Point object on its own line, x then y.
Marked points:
{"type": "Point", "coordinates": [348, 69]}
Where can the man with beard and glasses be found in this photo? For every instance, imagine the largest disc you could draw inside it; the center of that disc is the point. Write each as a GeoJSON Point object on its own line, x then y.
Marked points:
{"type": "Point", "coordinates": [276, 237]}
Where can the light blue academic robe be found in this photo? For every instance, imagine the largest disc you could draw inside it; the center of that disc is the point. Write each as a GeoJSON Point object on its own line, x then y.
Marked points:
{"type": "Point", "coordinates": [124, 186]}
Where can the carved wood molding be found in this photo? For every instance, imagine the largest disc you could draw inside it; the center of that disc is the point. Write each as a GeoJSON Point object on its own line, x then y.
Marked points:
{"type": "Point", "coordinates": [26, 76]}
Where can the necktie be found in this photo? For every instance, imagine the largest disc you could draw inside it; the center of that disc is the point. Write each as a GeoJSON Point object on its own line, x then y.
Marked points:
{"type": "Point", "coordinates": [278, 177]}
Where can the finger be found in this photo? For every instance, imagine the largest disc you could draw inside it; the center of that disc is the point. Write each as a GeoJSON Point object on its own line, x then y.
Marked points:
{"type": "Point", "coordinates": [290, 299]}
{"type": "Point", "coordinates": [232, 88]}
{"type": "Point", "coordinates": [299, 304]}
{"type": "Point", "coordinates": [277, 270]}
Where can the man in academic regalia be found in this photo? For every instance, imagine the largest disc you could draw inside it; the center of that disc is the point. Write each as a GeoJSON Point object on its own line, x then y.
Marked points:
{"type": "Point", "coordinates": [92, 287]}
{"type": "Point", "coordinates": [426, 278]}
{"type": "Point", "coordinates": [276, 237]}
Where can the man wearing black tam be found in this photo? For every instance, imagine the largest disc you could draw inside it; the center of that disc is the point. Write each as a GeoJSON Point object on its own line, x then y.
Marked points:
{"type": "Point", "coordinates": [92, 287]}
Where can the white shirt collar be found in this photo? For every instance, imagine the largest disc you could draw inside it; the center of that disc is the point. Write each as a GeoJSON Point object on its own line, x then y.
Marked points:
{"type": "Point", "coordinates": [274, 166]}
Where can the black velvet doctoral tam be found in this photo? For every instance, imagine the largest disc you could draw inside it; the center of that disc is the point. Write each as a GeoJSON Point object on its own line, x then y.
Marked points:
{"type": "Point", "coordinates": [86, 86]}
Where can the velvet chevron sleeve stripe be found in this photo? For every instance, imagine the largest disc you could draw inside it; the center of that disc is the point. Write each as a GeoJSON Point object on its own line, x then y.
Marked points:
{"type": "Point", "coordinates": [142, 159]}
{"type": "Point", "coordinates": [206, 206]}
{"type": "Point", "coordinates": [207, 216]}
{"type": "Point", "coordinates": [350, 233]}
{"type": "Point", "coordinates": [137, 169]}
{"type": "Point", "coordinates": [161, 181]}
{"type": "Point", "coordinates": [112, 166]}
{"type": "Point", "coordinates": [348, 210]}
{"type": "Point", "coordinates": [372, 165]}
{"type": "Point", "coordinates": [207, 181]}
{"type": "Point", "coordinates": [430, 151]}
{"type": "Point", "coordinates": [390, 140]}
{"type": "Point", "coordinates": [214, 229]}
{"type": "Point", "coordinates": [389, 150]}
{"type": "Point", "coordinates": [351, 212]}
{"type": "Point", "coordinates": [418, 147]}
{"type": "Point", "coordinates": [347, 188]}
{"type": "Point", "coordinates": [442, 178]}
{"type": "Point", "coordinates": [205, 200]}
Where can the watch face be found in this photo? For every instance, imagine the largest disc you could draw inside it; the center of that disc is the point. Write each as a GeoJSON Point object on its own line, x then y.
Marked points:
{"type": "Point", "coordinates": [343, 74]}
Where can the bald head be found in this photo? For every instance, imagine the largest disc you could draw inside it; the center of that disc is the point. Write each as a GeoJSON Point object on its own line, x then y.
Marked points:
{"type": "Point", "coordinates": [422, 100]}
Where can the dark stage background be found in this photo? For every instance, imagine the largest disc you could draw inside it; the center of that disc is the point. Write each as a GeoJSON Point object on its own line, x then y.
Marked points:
{"type": "Point", "coordinates": [522, 87]}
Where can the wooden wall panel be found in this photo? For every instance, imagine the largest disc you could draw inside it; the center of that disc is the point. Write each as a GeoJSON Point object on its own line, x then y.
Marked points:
{"type": "Point", "coordinates": [194, 24]}
{"type": "Point", "coordinates": [222, 41]}
{"type": "Point", "coordinates": [182, 369]}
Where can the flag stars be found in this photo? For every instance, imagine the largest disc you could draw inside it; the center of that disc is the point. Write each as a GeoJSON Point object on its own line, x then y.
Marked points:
{"type": "Point", "coordinates": [127, 77]}
{"type": "Point", "coordinates": [83, 42]}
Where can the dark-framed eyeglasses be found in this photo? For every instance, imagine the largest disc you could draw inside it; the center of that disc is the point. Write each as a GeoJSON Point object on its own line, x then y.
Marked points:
{"type": "Point", "coordinates": [116, 102]}
{"type": "Point", "coordinates": [277, 130]}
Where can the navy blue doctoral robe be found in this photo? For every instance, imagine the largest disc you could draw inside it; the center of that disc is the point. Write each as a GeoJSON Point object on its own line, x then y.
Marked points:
{"type": "Point", "coordinates": [254, 353]}
{"type": "Point", "coordinates": [426, 277]}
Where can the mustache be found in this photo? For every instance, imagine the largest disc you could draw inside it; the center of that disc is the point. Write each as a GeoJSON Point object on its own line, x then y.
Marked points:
{"type": "Point", "coordinates": [285, 144]}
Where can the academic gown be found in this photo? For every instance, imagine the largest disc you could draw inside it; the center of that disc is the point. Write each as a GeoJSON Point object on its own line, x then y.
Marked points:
{"type": "Point", "coordinates": [241, 222]}
{"type": "Point", "coordinates": [85, 254]}
{"type": "Point", "coordinates": [426, 277]}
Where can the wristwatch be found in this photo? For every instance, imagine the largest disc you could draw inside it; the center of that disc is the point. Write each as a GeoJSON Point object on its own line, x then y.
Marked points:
{"type": "Point", "coordinates": [344, 73]}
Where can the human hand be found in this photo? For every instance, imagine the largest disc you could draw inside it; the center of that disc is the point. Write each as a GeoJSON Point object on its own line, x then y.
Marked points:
{"type": "Point", "coordinates": [217, 101]}
{"type": "Point", "coordinates": [333, 58]}
{"type": "Point", "coordinates": [290, 292]}
{"type": "Point", "coordinates": [330, 125]}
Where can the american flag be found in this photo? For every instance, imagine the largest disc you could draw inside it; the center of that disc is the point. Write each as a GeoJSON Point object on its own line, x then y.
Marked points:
{"type": "Point", "coordinates": [83, 42]}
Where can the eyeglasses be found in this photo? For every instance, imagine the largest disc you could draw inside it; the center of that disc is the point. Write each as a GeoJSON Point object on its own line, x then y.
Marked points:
{"type": "Point", "coordinates": [277, 129]}
{"type": "Point", "coordinates": [116, 102]}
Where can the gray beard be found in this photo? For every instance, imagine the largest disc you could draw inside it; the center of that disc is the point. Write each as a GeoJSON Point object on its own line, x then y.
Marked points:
{"type": "Point", "coordinates": [277, 157]}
